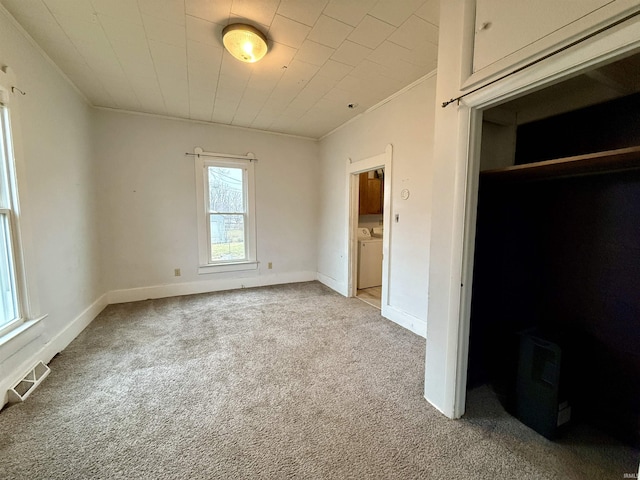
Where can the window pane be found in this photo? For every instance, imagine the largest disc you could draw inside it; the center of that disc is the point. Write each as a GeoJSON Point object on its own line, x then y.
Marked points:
{"type": "Point", "coordinates": [227, 238]}
{"type": "Point", "coordinates": [225, 190]}
{"type": "Point", "coordinates": [5, 147]}
{"type": "Point", "coordinates": [8, 305]}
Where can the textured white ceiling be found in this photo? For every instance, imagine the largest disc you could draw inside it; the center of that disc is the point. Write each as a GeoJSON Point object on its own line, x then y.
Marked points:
{"type": "Point", "coordinates": [166, 56]}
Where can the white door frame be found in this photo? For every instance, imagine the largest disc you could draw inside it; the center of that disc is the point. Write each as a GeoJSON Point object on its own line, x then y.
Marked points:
{"type": "Point", "coordinates": [590, 54]}
{"type": "Point", "coordinates": [355, 168]}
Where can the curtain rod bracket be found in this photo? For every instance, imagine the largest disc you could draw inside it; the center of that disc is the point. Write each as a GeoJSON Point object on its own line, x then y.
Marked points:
{"type": "Point", "coordinates": [16, 89]}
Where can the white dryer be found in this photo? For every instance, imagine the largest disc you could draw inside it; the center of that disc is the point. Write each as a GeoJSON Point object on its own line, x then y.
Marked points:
{"type": "Point", "coordinates": [369, 259]}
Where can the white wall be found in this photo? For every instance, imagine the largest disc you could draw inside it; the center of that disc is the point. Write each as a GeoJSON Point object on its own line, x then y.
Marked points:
{"type": "Point", "coordinates": [147, 194]}
{"type": "Point", "coordinates": [515, 24]}
{"type": "Point", "coordinates": [406, 122]}
{"type": "Point", "coordinates": [511, 34]}
{"type": "Point", "coordinates": [57, 193]}
{"type": "Point", "coordinates": [498, 145]}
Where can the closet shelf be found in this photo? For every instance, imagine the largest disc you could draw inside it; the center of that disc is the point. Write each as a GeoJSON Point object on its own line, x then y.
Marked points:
{"type": "Point", "coordinates": [600, 162]}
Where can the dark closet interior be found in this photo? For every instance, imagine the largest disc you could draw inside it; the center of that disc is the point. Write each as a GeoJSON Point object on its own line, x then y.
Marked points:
{"type": "Point", "coordinates": [558, 253]}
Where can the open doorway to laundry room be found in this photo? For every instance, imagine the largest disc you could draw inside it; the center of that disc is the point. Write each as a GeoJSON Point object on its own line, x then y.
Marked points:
{"type": "Point", "coordinates": [369, 185]}
{"type": "Point", "coordinates": [369, 232]}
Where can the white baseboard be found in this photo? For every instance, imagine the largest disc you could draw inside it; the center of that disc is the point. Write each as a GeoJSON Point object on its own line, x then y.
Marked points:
{"type": "Point", "coordinates": [73, 329]}
{"type": "Point", "coordinates": [333, 284]}
{"type": "Point", "coordinates": [414, 324]}
{"type": "Point", "coordinates": [190, 288]}
{"type": "Point", "coordinates": [44, 353]}
{"type": "Point", "coordinates": [411, 323]}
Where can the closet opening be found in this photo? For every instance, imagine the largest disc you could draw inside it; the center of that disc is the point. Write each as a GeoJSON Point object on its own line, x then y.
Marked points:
{"type": "Point", "coordinates": [555, 307]}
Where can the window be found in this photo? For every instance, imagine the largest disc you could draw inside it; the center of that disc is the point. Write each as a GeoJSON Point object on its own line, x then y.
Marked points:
{"type": "Point", "coordinates": [226, 212]}
{"type": "Point", "coordinates": [10, 311]}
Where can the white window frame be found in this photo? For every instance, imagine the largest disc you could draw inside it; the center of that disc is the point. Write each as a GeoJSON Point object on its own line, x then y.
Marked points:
{"type": "Point", "coordinates": [13, 275]}
{"type": "Point", "coordinates": [203, 160]}
{"type": "Point", "coordinates": [26, 299]}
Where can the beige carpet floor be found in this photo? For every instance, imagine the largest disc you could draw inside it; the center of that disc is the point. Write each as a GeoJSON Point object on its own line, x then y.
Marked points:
{"type": "Point", "coordinates": [289, 381]}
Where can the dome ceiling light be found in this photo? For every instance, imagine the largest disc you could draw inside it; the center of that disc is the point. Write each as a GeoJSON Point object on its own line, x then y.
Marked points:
{"type": "Point", "coordinates": [246, 43]}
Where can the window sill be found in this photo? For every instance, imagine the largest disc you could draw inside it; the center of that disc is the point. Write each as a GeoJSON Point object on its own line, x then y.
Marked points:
{"type": "Point", "coordinates": [227, 267]}
{"type": "Point", "coordinates": [7, 337]}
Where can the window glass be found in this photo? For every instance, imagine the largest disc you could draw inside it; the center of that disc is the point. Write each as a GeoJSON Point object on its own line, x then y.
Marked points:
{"type": "Point", "coordinates": [226, 192]}
{"type": "Point", "coordinates": [227, 238]}
{"type": "Point", "coordinates": [227, 214]}
{"type": "Point", "coordinates": [8, 306]}
{"type": "Point", "coordinates": [9, 311]}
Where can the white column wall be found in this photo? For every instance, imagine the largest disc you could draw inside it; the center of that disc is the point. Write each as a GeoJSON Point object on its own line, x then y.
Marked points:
{"type": "Point", "coordinates": [449, 180]}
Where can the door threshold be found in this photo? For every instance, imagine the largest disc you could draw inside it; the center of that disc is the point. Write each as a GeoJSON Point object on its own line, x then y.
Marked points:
{"type": "Point", "coordinates": [371, 296]}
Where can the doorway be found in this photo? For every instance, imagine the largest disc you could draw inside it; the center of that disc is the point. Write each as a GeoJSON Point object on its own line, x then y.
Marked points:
{"type": "Point", "coordinates": [369, 232]}
{"type": "Point", "coordinates": [369, 187]}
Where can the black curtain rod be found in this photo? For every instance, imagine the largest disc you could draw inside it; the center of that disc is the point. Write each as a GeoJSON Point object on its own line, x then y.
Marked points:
{"type": "Point", "coordinates": [534, 62]}
{"type": "Point", "coordinates": [221, 155]}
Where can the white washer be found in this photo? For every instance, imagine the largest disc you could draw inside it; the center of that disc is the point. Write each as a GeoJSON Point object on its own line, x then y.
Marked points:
{"type": "Point", "coordinates": [369, 259]}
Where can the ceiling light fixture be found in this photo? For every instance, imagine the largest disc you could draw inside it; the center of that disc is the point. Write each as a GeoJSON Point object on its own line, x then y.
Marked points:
{"type": "Point", "coordinates": [246, 43]}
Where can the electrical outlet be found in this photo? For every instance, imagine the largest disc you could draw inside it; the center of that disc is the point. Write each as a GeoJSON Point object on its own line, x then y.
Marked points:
{"type": "Point", "coordinates": [270, 265]}
{"type": "Point", "coordinates": [176, 272]}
